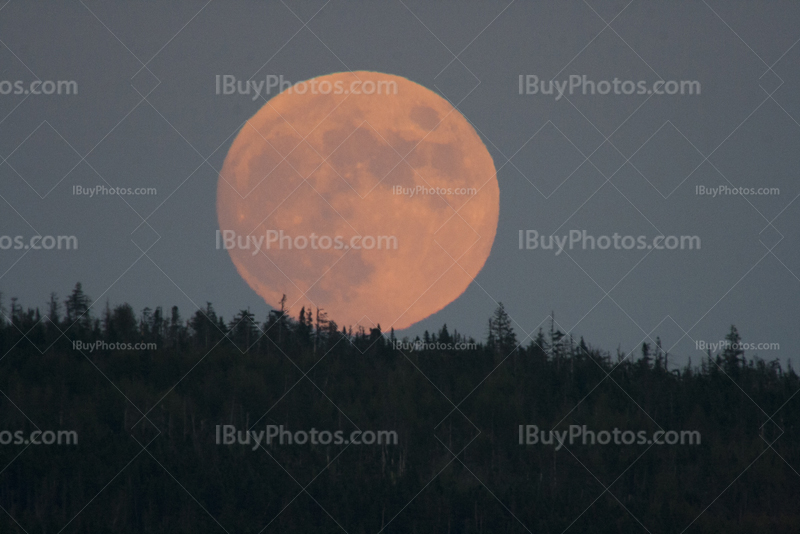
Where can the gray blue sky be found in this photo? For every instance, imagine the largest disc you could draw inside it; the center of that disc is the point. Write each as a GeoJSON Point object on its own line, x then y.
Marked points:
{"type": "Point", "coordinates": [146, 115]}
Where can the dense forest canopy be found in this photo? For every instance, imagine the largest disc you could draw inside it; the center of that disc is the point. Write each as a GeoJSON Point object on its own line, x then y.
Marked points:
{"type": "Point", "coordinates": [145, 393]}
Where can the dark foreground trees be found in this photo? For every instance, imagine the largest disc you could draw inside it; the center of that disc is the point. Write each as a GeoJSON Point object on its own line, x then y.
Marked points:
{"type": "Point", "coordinates": [147, 415]}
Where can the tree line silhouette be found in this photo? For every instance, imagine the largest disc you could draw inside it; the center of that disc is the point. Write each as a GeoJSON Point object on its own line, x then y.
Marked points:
{"type": "Point", "coordinates": [147, 459]}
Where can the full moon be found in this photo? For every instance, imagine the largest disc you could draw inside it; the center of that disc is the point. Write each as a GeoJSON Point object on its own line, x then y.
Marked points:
{"type": "Point", "coordinates": [363, 194]}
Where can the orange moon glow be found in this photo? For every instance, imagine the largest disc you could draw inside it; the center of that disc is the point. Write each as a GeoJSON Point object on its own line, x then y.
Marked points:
{"type": "Point", "coordinates": [315, 200]}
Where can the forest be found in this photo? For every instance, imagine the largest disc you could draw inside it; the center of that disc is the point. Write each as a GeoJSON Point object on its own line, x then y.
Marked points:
{"type": "Point", "coordinates": [146, 391]}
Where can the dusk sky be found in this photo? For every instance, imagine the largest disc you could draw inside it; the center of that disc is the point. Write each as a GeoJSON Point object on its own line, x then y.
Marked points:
{"type": "Point", "coordinates": [147, 114]}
